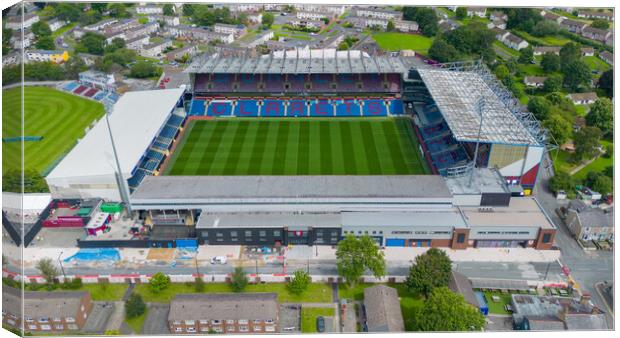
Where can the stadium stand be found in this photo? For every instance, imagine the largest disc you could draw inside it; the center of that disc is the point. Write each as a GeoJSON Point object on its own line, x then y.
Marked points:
{"type": "Point", "coordinates": [348, 108]}
{"type": "Point", "coordinates": [197, 107]}
{"type": "Point", "coordinates": [247, 108]}
{"type": "Point", "coordinates": [70, 86]}
{"type": "Point", "coordinates": [200, 85]}
{"type": "Point", "coordinates": [321, 82]}
{"type": "Point", "coordinates": [100, 95]}
{"type": "Point", "coordinates": [90, 92]}
{"type": "Point", "coordinates": [297, 82]}
{"type": "Point", "coordinates": [372, 83]}
{"type": "Point", "coordinates": [347, 82]}
{"type": "Point", "coordinates": [297, 108]}
{"type": "Point", "coordinates": [80, 89]}
{"type": "Point", "coordinates": [397, 107]}
{"type": "Point", "coordinates": [272, 108]}
{"type": "Point", "coordinates": [247, 83]}
{"type": "Point", "coordinates": [273, 83]}
{"type": "Point", "coordinates": [219, 108]}
{"type": "Point", "coordinates": [374, 108]}
{"type": "Point", "coordinates": [321, 108]}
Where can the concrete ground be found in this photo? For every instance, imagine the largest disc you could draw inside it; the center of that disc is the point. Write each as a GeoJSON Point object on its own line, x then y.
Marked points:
{"type": "Point", "coordinates": [499, 323]}
{"type": "Point", "coordinates": [57, 238]}
{"type": "Point", "coordinates": [117, 317]}
{"type": "Point", "coordinates": [156, 320]}
{"type": "Point", "coordinates": [349, 320]}
{"type": "Point", "coordinates": [96, 323]}
{"type": "Point", "coordinates": [290, 318]}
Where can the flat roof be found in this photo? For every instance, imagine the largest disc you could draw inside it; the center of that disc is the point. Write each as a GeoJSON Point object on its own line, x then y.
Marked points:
{"type": "Point", "coordinates": [425, 217]}
{"type": "Point", "coordinates": [209, 187]}
{"type": "Point", "coordinates": [135, 120]}
{"type": "Point", "coordinates": [484, 180]}
{"type": "Point", "coordinates": [456, 94]}
{"type": "Point", "coordinates": [522, 211]}
{"type": "Point", "coordinates": [267, 220]}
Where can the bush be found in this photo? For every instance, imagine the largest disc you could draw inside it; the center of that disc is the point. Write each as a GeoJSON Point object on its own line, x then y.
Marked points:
{"type": "Point", "coordinates": [299, 283]}
{"type": "Point", "coordinates": [143, 69]}
{"type": "Point", "coordinates": [159, 282]}
{"type": "Point", "coordinates": [238, 280]}
{"type": "Point", "coordinates": [199, 285]}
{"type": "Point", "coordinates": [134, 306]}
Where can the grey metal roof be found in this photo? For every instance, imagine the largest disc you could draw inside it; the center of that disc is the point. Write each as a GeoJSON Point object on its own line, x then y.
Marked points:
{"type": "Point", "coordinates": [499, 284]}
{"type": "Point", "coordinates": [205, 187]}
{"type": "Point", "coordinates": [595, 217]}
{"type": "Point", "coordinates": [302, 62]}
{"type": "Point", "coordinates": [459, 283]}
{"type": "Point", "coordinates": [224, 306]}
{"type": "Point", "coordinates": [437, 218]}
{"type": "Point", "coordinates": [383, 309]}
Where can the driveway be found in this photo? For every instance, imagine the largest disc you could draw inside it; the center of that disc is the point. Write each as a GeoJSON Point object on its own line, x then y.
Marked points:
{"type": "Point", "coordinates": [156, 321]}
{"type": "Point", "coordinates": [97, 320]}
{"type": "Point", "coordinates": [290, 318]}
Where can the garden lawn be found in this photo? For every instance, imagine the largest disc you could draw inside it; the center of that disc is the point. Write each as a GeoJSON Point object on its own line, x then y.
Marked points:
{"type": "Point", "coordinates": [553, 40]}
{"type": "Point", "coordinates": [316, 293]}
{"type": "Point", "coordinates": [497, 307]}
{"type": "Point", "coordinates": [137, 323]}
{"type": "Point", "coordinates": [63, 29]}
{"type": "Point", "coordinates": [596, 64]}
{"type": "Point", "coordinates": [309, 315]}
{"type": "Point", "coordinates": [400, 41]}
{"type": "Point", "coordinates": [506, 49]}
{"type": "Point", "coordinates": [59, 117]}
{"type": "Point", "coordinates": [597, 165]}
{"type": "Point", "coordinates": [561, 161]}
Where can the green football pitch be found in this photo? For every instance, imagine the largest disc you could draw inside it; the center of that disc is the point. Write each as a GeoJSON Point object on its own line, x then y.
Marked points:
{"type": "Point", "coordinates": [300, 146]}
{"type": "Point", "coordinates": [60, 118]}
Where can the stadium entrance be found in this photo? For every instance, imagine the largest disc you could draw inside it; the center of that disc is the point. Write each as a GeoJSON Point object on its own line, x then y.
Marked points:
{"type": "Point", "coordinates": [297, 237]}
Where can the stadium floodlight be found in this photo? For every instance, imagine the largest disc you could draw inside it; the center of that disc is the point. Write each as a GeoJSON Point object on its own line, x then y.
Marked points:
{"type": "Point", "coordinates": [121, 180]}
{"type": "Point", "coordinates": [479, 107]}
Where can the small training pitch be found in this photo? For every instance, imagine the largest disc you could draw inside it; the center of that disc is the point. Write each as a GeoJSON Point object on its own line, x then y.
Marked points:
{"type": "Point", "coordinates": [298, 146]}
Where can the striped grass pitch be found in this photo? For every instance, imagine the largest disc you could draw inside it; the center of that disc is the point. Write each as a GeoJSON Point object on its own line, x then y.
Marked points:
{"type": "Point", "coordinates": [298, 146]}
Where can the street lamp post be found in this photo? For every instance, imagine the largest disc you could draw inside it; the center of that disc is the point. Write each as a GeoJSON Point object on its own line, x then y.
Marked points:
{"type": "Point", "coordinates": [62, 269]}
{"type": "Point", "coordinates": [480, 104]}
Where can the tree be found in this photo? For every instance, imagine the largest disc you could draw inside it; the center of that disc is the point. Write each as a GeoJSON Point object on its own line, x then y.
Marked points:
{"type": "Point", "coordinates": [267, 20]}
{"type": "Point", "coordinates": [540, 107]}
{"type": "Point", "coordinates": [48, 269]}
{"type": "Point", "coordinates": [143, 69]}
{"type": "Point", "coordinates": [118, 10]}
{"type": "Point", "coordinates": [526, 55]}
{"type": "Point", "coordinates": [559, 128]}
{"type": "Point", "coordinates": [553, 83]}
{"type": "Point", "coordinates": [92, 43]}
{"type": "Point", "coordinates": [45, 43]}
{"type": "Point", "coordinates": [99, 6]}
{"type": "Point", "coordinates": [550, 62]}
{"type": "Point", "coordinates": [390, 26]}
{"type": "Point", "coordinates": [159, 282]}
{"type": "Point", "coordinates": [425, 17]}
{"type": "Point", "coordinates": [67, 11]}
{"type": "Point", "coordinates": [586, 142]}
{"type": "Point", "coordinates": [188, 9]}
{"type": "Point", "coordinates": [561, 181]}
{"type": "Point", "coordinates": [544, 28]}
{"type": "Point", "coordinates": [445, 310]}
{"type": "Point", "coordinates": [601, 115]}
{"type": "Point", "coordinates": [524, 19]}
{"type": "Point", "coordinates": [461, 13]}
{"type": "Point", "coordinates": [600, 24]}
{"type": "Point", "coordinates": [569, 53]}
{"type": "Point", "coordinates": [576, 75]}
{"type": "Point", "coordinates": [356, 255]}
{"type": "Point", "coordinates": [238, 279]}
{"type": "Point", "coordinates": [33, 181]}
{"type": "Point", "coordinates": [7, 33]}
{"type": "Point", "coordinates": [502, 72]}
{"type": "Point", "coordinates": [442, 51]}
{"type": "Point", "coordinates": [41, 28]}
{"type": "Point", "coordinates": [299, 283]}
{"type": "Point", "coordinates": [430, 270]}
{"type": "Point", "coordinates": [134, 306]}
{"type": "Point", "coordinates": [168, 9]}
{"type": "Point", "coordinates": [606, 83]}
{"type": "Point", "coordinates": [602, 184]}
{"type": "Point", "coordinates": [116, 43]}
{"type": "Point", "coordinates": [199, 285]}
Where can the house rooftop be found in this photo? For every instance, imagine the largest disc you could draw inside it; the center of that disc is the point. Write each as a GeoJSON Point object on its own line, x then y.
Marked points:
{"type": "Point", "coordinates": [224, 306]}
{"type": "Point", "coordinates": [382, 307]}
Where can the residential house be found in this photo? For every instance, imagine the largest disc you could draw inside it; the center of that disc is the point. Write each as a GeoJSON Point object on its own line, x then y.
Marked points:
{"type": "Point", "coordinates": [153, 50]}
{"type": "Point", "coordinates": [273, 7]}
{"type": "Point", "coordinates": [45, 312]}
{"type": "Point", "coordinates": [333, 10]}
{"type": "Point", "coordinates": [312, 15]}
{"type": "Point", "coordinates": [498, 15]}
{"type": "Point", "coordinates": [56, 24]}
{"type": "Point", "coordinates": [514, 42]}
{"type": "Point", "coordinates": [177, 54]}
{"type": "Point", "coordinates": [446, 25]}
{"type": "Point", "coordinates": [146, 29]}
{"type": "Point", "coordinates": [121, 26]}
{"type": "Point", "coordinates": [477, 11]}
{"type": "Point", "coordinates": [99, 80]}
{"type": "Point", "coordinates": [610, 40]}
{"type": "Point", "coordinates": [235, 30]}
{"type": "Point", "coordinates": [376, 13]}
{"type": "Point", "coordinates": [200, 34]}
{"type": "Point", "coordinates": [137, 42]}
{"type": "Point", "coordinates": [78, 33]}
{"type": "Point", "coordinates": [589, 223]}
{"type": "Point", "coordinates": [240, 7]}
{"type": "Point", "coordinates": [261, 38]}
{"type": "Point", "coordinates": [550, 16]}
{"type": "Point", "coordinates": [53, 56]}
{"type": "Point", "coordinates": [541, 50]}
{"type": "Point", "coordinates": [573, 26]}
{"type": "Point", "coordinates": [89, 59]}
{"type": "Point", "coordinates": [543, 313]}
{"type": "Point", "coordinates": [607, 57]}
{"type": "Point", "coordinates": [231, 313]}
{"type": "Point", "coordinates": [167, 19]}
{"type": "Point", "coordinates": [534, 81]}
{"type": "Point", "coordinates": [460, 284]}
{"type": "Point", "coordinates": [583, 98]}
{"type": "Point", "coordinates": [99, 26]}
{"type": "Point", "coordinates": [587, 51]}
{"type": "Point", "coordinates": [11, 58]}
{"type": "Point", "coordinates": [499, 23]}
{"type": "Point", "coordinates": [149, 9]}
{"type": "Point", "coordinates": [254, 17]}
{"type": "Point", "coordinates": [406, 26]}
{"type": "Point", "coordinates": [596, 34]}
{"type": "Point", "coordinates": [15, 22]}
{"type": "Point", "coordinates": [500, 34]}
{"type": "Point", "coordinates": [22, 40]}
{"type": "Point", "coordinates": [308, 24]}
{"type": "Point", "coordinates": [596, 15]}
{"type": "Point", "coordinates": [382, 309]}
{"type": "Point", "coordinates": [114, 35]}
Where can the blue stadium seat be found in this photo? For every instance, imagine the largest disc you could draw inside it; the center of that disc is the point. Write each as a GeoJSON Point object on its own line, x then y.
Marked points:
{"type": "Point", "coordinates": [175, 120]}
{"type": "Point", "coordinates": [396, 107]}
{"type": "Point", "coordinates": [100, 95]}
{"type": "Point", "coordinates": [321, 108]}
{"type": "Point", "coordinates": [219, 108]}
{"type": "Point", "coordinates": [297, 108]}
{"type": "Point", "coordinates": [374, 108]}
{"type": "Point", "coordinates": [348, 108]}
{"type": "Point", "coordinates": [197, 107]}
{"type": "Point", "coordinates": [135, 180]}
{"type": "Point", "coordinates": [272, 108]}
{"type": "Point", "coordinates": [70, 86]}
{"type": "Point", "coordinates": [155, 155]}
{"type": "Point", "coordinates": [247, 108]}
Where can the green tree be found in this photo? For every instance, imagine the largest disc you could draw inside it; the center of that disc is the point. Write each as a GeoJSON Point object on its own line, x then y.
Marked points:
{"type": "Point", "coordinates": [134, 306]}
{"type": "Point", "coordinates": [41, 28]}
{"type": "Point", "coordinates": [238, 280]}
{"type": "Point", "coordinates": [143, 69]}
{"type": "Point", "coordinates": [92, 43]}
{"type": "Point", "coordinates": [559, 128]}
{"type": "Point", "coordinates": [47, 269]}
{"type": "Point", "coordinates": [601, 115]}
{"type": "Point", "coordinates": [561, 181]}
{"type": "Point", "coordinates": [600, 24]}
{"type": "Point", "coordinates": [356, 255]}
{"type": "Point", "coordinates": [524, 19]}
{"type": "Point", "coordinates": [602, 184]}
{"type": "Point", "coordinates": [526, 55]}
{"type": "Point", "coordinates": [502, 72]}
{"type": "Point", "coordinates": [199, 285]}
{"type": "Point", "coordinates": [540, 107]}
{"type": "Point", "coordinates": [99, 6]}
{"type": "Point", "coordinates": [159, 282]}
{"type": "Point", "coordinates": [544, 28]}
{"type": "Point", "coordinates": [390, 26]}
{"type": "Point", "coordinates": [116, 43]}
{"type": "Point", "coordinates": [67, 11]}
{"type": "Point", "coordinates": [299, 283]}
{"type": "Point", "coordinates": [553, 83]}
{"type": "Point", "coordinates": [442, 51]}
{"type": "Point", "coordinates": [33, 181]}
{"type": "Point", "coordinates": [45, 43]}
{"type": "Point", "coordinates": [267, 20]}
{"type": "Point", "coordinates": [74, 66]}
{"type": "Point", "coordinates": [569, 53]}
{"type": "Point", "coordinates": [586, 143]}
{"type": "Point", "coordinates": [168, 9]}
{"type": "Point", "coordinates": [7, 33]}
{"type": "Point", "coordinates": [430, 270]}
{"type": "Point", "coordinates": [577, 75]}
{"type": "Point", "coordinates": [425, 17]}
{"type": "Point", "coordinates": [445, 310]}
{"type": "Point", "coordinates": [461, 13]}
{"type": "Point", "coordinates": [550, 62]}
{"type": "Point", "coordinates": [118, 10]}
{"type": "Point", "coordinates": [188, 9]}
{"type": "Point", "coordinates": [606, 83]}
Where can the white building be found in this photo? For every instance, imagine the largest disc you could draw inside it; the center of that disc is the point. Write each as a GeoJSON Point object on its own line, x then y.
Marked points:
{"type": "Point", "coordinates": [54, 56]}
{"type": "Point", "coordinates": [312, 24]}
{"type": "Point", "coordinates": [476, 11]}
{"type": "Point", "coordinates": [155, 49]}
{"type": "Point", "coordinates": [98, 80]}
{"type": "Point", "coordinates": [15, 22]}
{"type": "Point", "coordinates": [99, 26]}
{"type": "Point", "coordinates": [137, 43]}
{"type": "Point", "coordinates": [200, 34]}
{"type": "Point", "coordinates": [261, 38]}
{"type": "Point", "coordinates": [234, 7]}
{"type": "Point", "coordinates": [376, 13]}
{"type": "Point", "coordinates": [167, 19]}
{"type": "Point", "coordinates": [332, 10]}
{"type": "Point", "coordinates": [11, 59]}
{"type": "Point", "coordinates": [89, 169]}
{"type": "Point", "coordinates": [149, 9]}
{"type": "Point", "coordinates": [236, 30]}
{"type": "Point", "coordinates": [56, 24]}
{"type": "Point", "coordinates": [315, 16]}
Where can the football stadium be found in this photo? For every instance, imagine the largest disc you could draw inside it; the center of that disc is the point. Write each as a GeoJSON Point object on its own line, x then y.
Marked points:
{"type": "Point", "coordinates": [303, 147]}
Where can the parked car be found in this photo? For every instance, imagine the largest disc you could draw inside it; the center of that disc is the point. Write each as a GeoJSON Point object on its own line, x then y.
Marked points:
{"type": "Point", "coordinates": [218, 260]}
{"type": "Point", "coordinates": [320, 324]}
